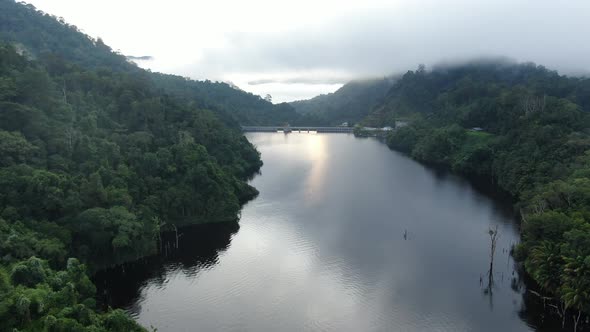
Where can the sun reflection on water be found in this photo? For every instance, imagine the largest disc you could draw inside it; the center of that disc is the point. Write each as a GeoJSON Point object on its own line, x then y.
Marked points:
{"type": "Point", "coordinates": [317, 154]}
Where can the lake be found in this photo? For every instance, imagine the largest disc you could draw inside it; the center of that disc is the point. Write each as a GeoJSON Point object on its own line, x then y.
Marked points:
{"type": "Point", "coordinates": [346, 235]}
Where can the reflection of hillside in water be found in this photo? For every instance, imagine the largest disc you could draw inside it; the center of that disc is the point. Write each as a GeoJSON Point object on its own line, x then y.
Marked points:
{"type": "Point", "coordinates": [323, 248]}
{"type": "Point", "coordinates": [199, 248]}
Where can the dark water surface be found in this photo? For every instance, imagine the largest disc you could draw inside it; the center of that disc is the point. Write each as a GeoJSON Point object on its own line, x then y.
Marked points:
{"type": "Point", "coordinates": [323, 249]}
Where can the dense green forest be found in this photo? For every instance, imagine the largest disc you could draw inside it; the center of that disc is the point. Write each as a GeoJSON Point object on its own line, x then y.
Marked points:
{"type": "Point", "coordinates": [351, 103]}
{"type": "Point", "coordinates": [230, 104]}
{"type": "Point", "coordinates": [528, 130]}
{"type": "Point", "coordinates": [97, 158]}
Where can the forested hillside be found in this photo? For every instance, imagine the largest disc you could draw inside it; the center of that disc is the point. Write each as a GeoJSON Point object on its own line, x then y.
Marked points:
{"type": "Point", "coordinates": [231, 105]}
{"type": "Point", "coordinates": [36, 34]}
{"type": "Point", "coordinates": [528, 130]}
{"type": "Point", "coordinates": [97, 158]}
{"type": "Point", "coordinates": [351, 103]}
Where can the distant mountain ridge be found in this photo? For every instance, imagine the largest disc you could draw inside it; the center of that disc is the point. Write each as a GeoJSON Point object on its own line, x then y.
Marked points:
{"type": "Point", "coordinates": [351, 103]}
{"type": "Point", "coordinates": [44, 35]}
{"type": "Point", "coordinates": [422, 92]}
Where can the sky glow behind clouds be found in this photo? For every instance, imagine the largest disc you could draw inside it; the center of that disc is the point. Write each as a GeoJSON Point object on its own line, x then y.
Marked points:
{"type": "Point", "coordinates": [299, 49]}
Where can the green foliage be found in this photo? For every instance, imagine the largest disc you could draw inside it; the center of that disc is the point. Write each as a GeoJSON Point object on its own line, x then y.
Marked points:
{"type": "Point", "coordinates": [39, 298]}
{"type": "Point", "coordinates": [350, 103]}
{"type": "Point", "coordinates": [100, 153]}
{"type": "Point", "coordinates": [14, 148]}
{"type": "Point", "coordinates": [93, 149]}
{"type": "Point", "coordinates": [232, 105]}
{"type": "Point", "coordinates": [29, 273]}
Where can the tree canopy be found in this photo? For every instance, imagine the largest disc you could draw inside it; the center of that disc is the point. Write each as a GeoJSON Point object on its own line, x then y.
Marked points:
{"type": "Point", "coordinates": [97, 157]}
{"type": "Point", "coordinates": [351, 103]}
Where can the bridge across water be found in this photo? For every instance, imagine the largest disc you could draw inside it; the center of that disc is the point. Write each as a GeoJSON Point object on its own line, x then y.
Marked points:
{"type": "Point", "coordinates": [299, 129]}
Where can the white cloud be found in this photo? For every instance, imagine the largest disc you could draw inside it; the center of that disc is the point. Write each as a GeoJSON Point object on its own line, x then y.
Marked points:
{"type": "Point", "coordinates": [290, 43]}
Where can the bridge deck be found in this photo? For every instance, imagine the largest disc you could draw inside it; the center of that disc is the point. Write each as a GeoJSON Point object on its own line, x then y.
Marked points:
{"type": "Point", "coordinates": [300, 129]}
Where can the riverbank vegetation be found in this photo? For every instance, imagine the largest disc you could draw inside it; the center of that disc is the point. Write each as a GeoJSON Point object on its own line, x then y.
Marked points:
{"type": "Point", "coordinates": [527, 129]}
{"type": "Point", "coordinates": [97, 159]}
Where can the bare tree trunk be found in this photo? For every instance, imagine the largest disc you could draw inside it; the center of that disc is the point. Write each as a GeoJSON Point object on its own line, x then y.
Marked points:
{"type": "Point", "coordinates": [493, 240]}
{"type": "Point", "coordinates": [562, 311]}
{"type": "Point", "coordinates": [493, 232]}
{"type": "Point", "coordinates": [64, 90]}
{"type": "Point", "coordinates": [561, 308]}
{"type": "Point", "coordinates": [158, 225]}
{"type": "Point", "coordinates": [577, 320]}
{"type": "Point", "coordinates": [176, 233]}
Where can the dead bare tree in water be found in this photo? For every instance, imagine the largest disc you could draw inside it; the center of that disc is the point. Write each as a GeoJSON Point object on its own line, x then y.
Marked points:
{"type": "Point", "coordinates": [157, 223]}
{"type": "Point", "coordinates": [493, 232]}
{"type": "Point", "coordinates": [176, 234]}
{"type": "Point", "coordinates": [159, 226]}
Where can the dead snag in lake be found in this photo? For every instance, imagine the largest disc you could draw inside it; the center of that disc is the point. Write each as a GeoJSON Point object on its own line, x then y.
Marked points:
{"type": "Point", "coordinates": [493, 232]}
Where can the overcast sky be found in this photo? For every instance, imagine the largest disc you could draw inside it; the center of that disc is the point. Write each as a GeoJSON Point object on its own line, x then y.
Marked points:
{"type": "Point", "coordinates": [298, 49]}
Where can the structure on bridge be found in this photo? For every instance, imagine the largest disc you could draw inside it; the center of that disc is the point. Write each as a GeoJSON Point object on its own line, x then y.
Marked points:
{"type": "Point", "coordinates": [286, 129]}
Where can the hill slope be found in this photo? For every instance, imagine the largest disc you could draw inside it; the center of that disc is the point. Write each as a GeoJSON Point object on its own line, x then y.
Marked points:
{"type": "Point", "coordinates": [231, 105]}
{"type": "Point", "coordinates": [40, 35]}
{"type": "Point", "coordinates": [350, 103]}
{"type": "Point", "coordinates": [97, 158]}
{"type": "Point", "coordinates": [424, 92]}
